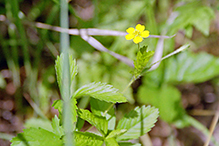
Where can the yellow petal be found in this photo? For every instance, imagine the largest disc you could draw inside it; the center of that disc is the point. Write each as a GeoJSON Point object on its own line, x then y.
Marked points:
{"type": "Point", "coordinates": [145, 34]}
{"type": "Point", "coordinates": [137, 39]}
{"type": "Point", "coordinates": [129, 36]}
{"type": "Point", "coordinates": [130, 30]}
{"type": "Point", "coordinates": [140, 27]}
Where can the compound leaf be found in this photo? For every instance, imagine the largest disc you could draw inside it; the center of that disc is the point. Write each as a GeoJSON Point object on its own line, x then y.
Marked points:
{"type": "Point", "coordinates": [137, 122]}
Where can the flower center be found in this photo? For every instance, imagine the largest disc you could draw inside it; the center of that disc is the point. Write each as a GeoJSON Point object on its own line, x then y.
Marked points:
{"type": "Point", "coordinates": [137, 33]}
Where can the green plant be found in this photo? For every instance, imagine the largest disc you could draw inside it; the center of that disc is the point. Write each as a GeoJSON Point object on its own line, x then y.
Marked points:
{"type": "Point", "coordinates": [133, 125]}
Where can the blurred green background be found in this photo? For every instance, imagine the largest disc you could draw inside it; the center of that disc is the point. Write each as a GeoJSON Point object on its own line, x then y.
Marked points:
{"type": "Point", "coordinates": [182, 86]}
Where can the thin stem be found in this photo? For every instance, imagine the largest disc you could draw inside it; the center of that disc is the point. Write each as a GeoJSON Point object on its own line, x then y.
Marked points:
{"type": "Point", "coordinates": [108, 109]}
{"type": "Point", "coordinates": [130, 83]}
{"type": "Point", "coordinates": [65, 91]}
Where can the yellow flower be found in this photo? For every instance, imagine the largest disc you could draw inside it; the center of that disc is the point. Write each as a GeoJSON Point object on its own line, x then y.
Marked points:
{"type": "Point", "coordinates": [137, 33]}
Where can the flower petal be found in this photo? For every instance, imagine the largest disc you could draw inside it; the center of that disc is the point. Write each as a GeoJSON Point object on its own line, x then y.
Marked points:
{"type": "Point", "coordinates": [145, 34]}
{"type": "Point", "coordinates": [130, 30]}
{"type": "Point", "coordinates": [129, 36]}
{"type": "Point", "coordinates": [140, 27]}
{"type": "Point", "coordinates": [137, 39]}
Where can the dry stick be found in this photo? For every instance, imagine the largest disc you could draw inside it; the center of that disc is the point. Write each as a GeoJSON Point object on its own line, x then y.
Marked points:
{"type": "Point", "coordinates": [91, 31]}
{"type": "Point", "coordinates": [158, 54]}
{"type": "Point", "coordinates": [212, 127]}
{"type": "Point", "coordinates": [86, 35]}
{"type": "Point", "coordinates": [196, 112]}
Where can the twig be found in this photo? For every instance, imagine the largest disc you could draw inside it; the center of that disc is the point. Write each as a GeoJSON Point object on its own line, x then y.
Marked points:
{"type": "Point", "coordinates": [212, 127]}
{"type": "Point", "coordinates": [158, 54]}
{"type": "Point", "coordinates": [86, 34]}
{"type": "Point", "coordinates": [196, 112]}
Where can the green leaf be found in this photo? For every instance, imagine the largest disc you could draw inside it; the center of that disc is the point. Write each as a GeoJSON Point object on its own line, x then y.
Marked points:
{"type": "Point", "coordinates": [38, 123]}
{"type": "Point", "coordinates": [87, 139]}
{"type": "Point", "coordinates": [59, 67]}
{"type": "Point", "coordinates": [58, 104]}
{"type": "Point", "coordinates": [188, 16]}
{"type": "Point", "coordinates": [57, 129]}
{"type": "Point", "coordinates": [98, 108]}
{"type": "Point", "coordinates": [99, 122]}
{"type": "Point", "coordinates": [101, 91]}
{"type": "Point", "coordinates": [129, 144]}
{"type": "Point", "coordinates": [111, 142]}
{"type": "Point", "coordinates": [36, 137]}
{"type": "Point", "coordinates": [138, 122]}
{"type": "Point", "coordinates": [79, 124]}
{"type": "Point", "coordinates": [143, 56]}
{"type": "Point", "coordinates": [167, 99]}
{"type": "Point", "coordinates": [115, 133]}
{"type": "Point", "coordinates": [188, 67]}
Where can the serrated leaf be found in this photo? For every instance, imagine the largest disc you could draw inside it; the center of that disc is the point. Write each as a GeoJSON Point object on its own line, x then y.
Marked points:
{"type": "Point", "coordinates": [167, 99]}
{"type": "Point", "coordinates": [58, 104]}
{"type": "Point", "coordinates": [101, 91]}
{"type": "Point", "coordinates": [99, 107]}
{"type": "Point", "coordinates": [87, 139]}
{"type": "Point", "coordinates": [143, 56]}
{"type": "Point", "coordinates": [57, 129]}
{"type": "Point", "coordinates": [129, 144]}
{"type": "Point", "coordinates": [59, 67]}
{"type": "Point", "coordinates": [137, 122]}
{"type": "Point", "coordinates": [189, 67]}
{"type": "Point", "coordinates": [36, 137]}
{"type": "Point", "coordinates": [111, 142]}
{"type": "Point", "coordinates": [99, 122]}
{"type": "Point", "coordinates": [115, 133]}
